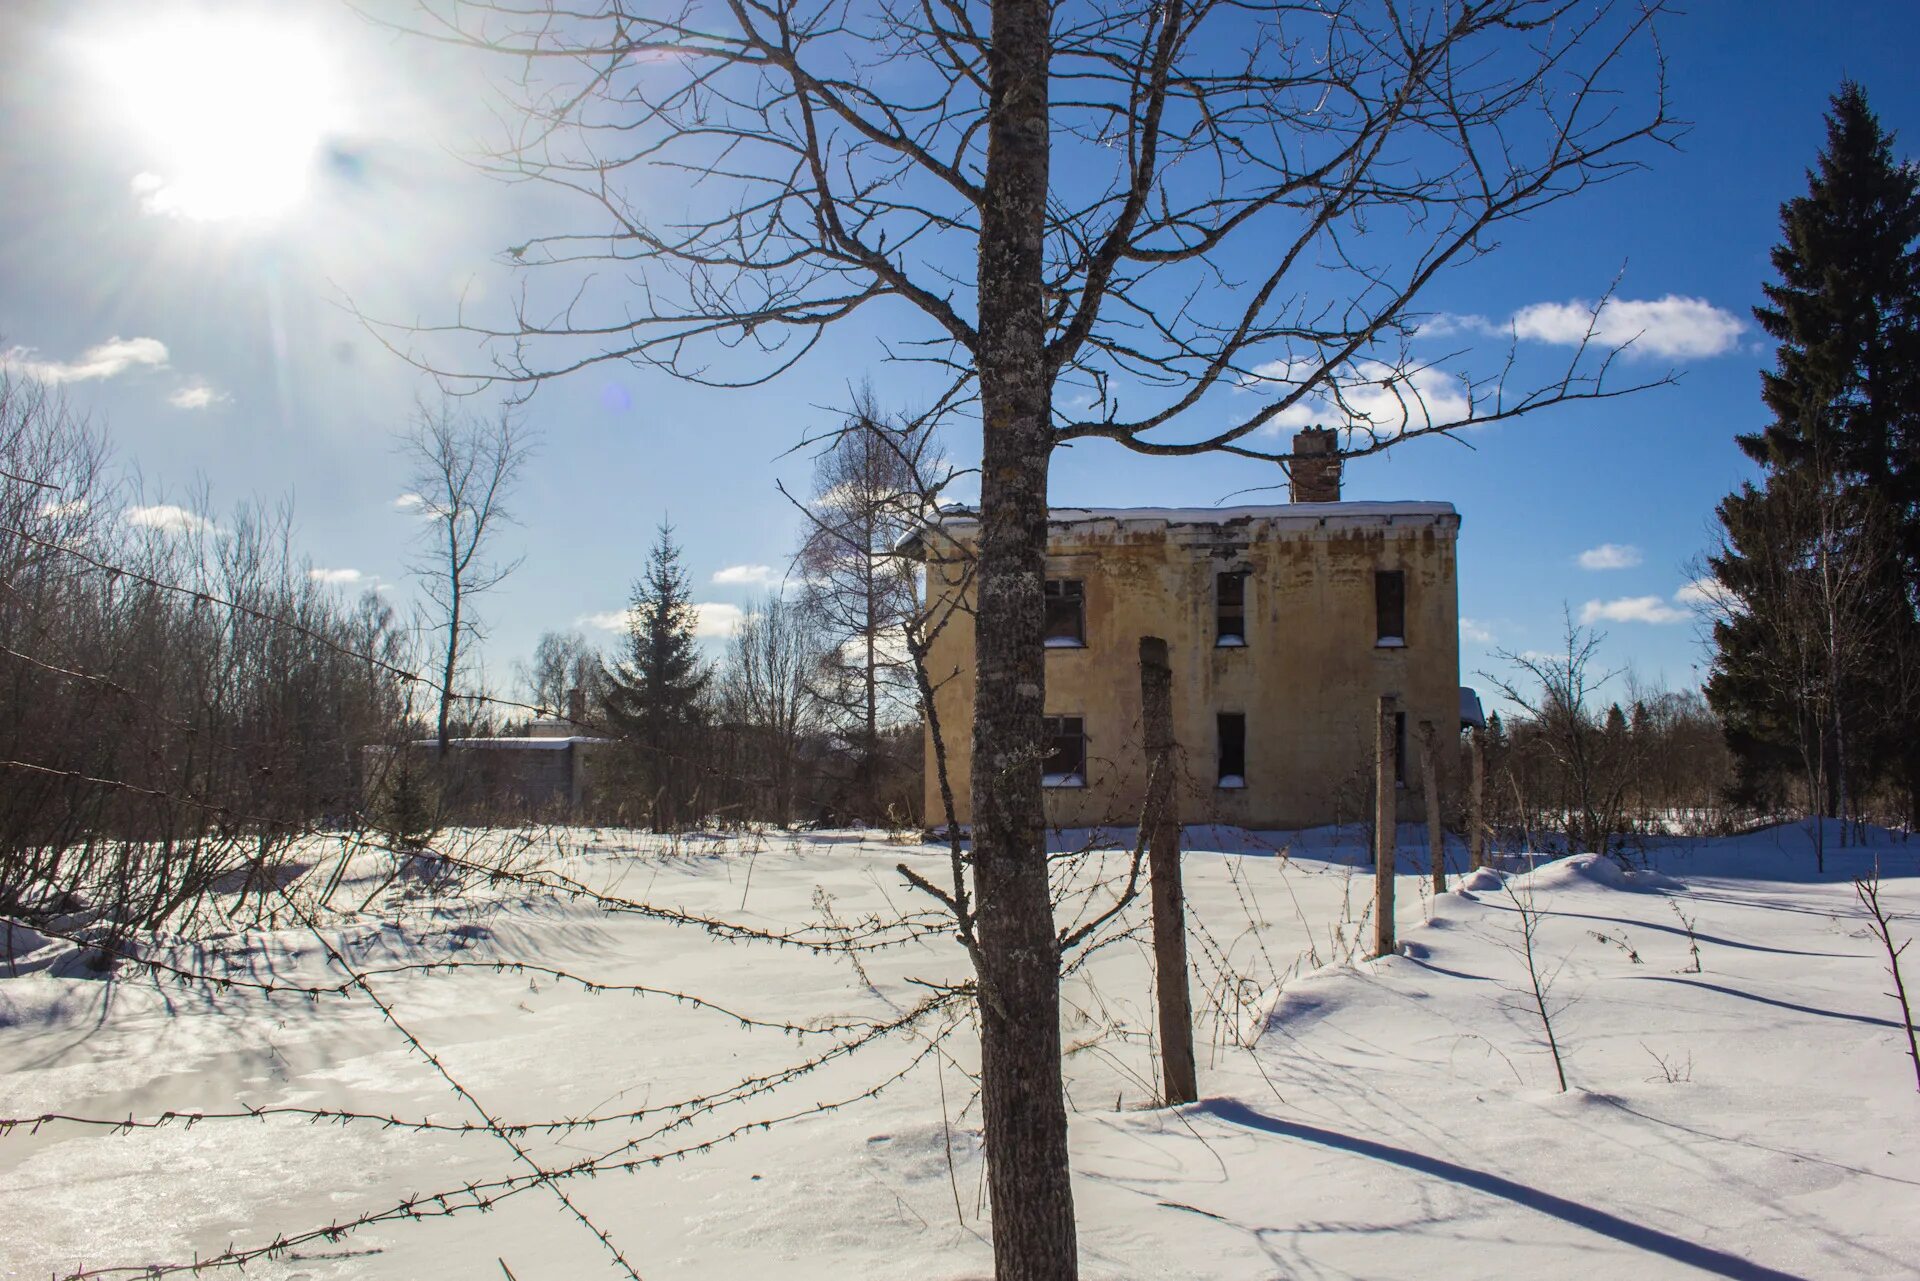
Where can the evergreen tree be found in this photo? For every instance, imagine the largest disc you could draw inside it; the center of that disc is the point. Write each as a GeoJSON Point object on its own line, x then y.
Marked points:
{"type": "Point", "coordinates": [655, 696]}
{"type": "Point", "coordinates": [1819, 563]}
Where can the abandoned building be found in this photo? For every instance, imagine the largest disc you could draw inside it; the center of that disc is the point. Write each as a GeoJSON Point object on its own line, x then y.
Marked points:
{"type": "Point", "coordinates": [548, 772]}
{"type": "Point", "coordinates": [1285, 625]}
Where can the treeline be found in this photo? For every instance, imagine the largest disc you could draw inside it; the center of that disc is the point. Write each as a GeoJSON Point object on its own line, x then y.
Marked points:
{"type": "Point", "coordinates": [811, 714]}
{"type": "Point", "coordinates": [178, 701]}
{"type": "Point", "coordinates": [1589, 759]}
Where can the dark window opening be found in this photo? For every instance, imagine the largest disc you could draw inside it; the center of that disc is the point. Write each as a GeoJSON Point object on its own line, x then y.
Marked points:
{"type": "Point", "coordinates": [1066, 613]}
{"type": "Point", "coordinates": [1400, 749]}
{"type": "Point", "coordinates": [1390, 607]}
{"type": "Point", "coordinates": [1065, 762]}
{"type": "Point", "coordinates": [1233, 749]}
{"type": "Point", "coordinates": [1230, 606]}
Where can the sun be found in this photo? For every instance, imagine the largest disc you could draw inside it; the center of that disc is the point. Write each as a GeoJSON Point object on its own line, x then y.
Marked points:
{"type": "Point", "coordinates": [232, 114]}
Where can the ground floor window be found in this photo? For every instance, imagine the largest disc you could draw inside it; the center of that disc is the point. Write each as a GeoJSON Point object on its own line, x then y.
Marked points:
{"type": "Point", "coordinates": [1233, 748]}
{"type": "Point", "coordinates": [1065, 762]}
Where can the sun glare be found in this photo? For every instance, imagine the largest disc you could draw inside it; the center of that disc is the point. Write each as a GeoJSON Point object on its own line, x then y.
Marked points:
{"type": "Point", "coordinates": [231, 114]}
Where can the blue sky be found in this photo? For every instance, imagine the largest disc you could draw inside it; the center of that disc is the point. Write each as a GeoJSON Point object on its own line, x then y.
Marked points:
{"type": "Point", "coordinates": [237, 365]}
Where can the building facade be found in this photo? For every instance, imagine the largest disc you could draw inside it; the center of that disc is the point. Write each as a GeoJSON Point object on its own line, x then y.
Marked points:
{"type": "Point", "coordinates": [1284, 624]}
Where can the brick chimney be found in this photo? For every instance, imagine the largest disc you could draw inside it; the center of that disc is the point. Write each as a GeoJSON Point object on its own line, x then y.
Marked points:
{"type": "Point", "coordinates": [1316, 466]}
{"type": "Point", "coordinates": [577, 705]}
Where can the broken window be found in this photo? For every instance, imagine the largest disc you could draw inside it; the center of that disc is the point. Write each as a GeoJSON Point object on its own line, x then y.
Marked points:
{"type": "Point", "coordinates": [1389, 607]}
{"type": "Point", "coordinates": [1065, 762]}
{"type": "Point", "coordinates": [1233, 748]}
{"type": "Point", "coordinates": [1066, 613]}
{"type": "Point", "coordinates": [1230, 608]}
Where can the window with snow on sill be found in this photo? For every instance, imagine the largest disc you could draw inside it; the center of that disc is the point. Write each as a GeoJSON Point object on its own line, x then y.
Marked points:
{"type": "Point", "coordinates": [1231, 642]}
{"type": "Point", "coordinates": [1390, 642]}
{"type": "Point", "coordinates": [1231, 782]}
{"type": "Point", "coordinates": [1062, 780]}
{"type": "Point", "coordinates": [1064, 642]}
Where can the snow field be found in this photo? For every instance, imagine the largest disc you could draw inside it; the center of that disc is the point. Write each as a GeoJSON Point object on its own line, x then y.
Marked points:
{"type": "Point", "coordinates": [1380, 1119]}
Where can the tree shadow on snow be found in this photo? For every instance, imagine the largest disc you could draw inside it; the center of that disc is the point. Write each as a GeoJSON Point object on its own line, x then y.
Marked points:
{"type": "Point", "coordinates": [1637, 1235]}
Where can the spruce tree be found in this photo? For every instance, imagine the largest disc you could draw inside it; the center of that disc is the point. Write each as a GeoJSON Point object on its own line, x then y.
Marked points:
{"type": "Point", "coordinates": [1829, 541]}
{"type": "Point", "coordinates": [655, 696]}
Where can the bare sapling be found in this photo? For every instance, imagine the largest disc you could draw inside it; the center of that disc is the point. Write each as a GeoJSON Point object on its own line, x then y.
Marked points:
{"type": "Point", "coordinates": [1693, 942]}
{"type": "Point", "coordinates": [1539, 986]}
{"type": "Point", "coordinates": [1430, 785]}
{"type": "Point", "coordinates": [1868, 890]}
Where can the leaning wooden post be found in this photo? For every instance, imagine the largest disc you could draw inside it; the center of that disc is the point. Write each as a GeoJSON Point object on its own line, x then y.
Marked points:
{"type": "Point", "coordinates": [1163, 872]}
{"type": "Point", "coordinates": [1430, 785]}
{"type": "Point", "coordinates": [1477, 798]}
{"type": "Point", "coordinates": [1385, 817]}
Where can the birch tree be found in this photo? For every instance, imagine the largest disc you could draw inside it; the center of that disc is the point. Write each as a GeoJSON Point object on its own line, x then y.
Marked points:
{"type": "Point", "coordinates": [464, 469]}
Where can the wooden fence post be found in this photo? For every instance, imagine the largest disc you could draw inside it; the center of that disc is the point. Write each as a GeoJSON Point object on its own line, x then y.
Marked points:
{"type": "Point", "coordinates": [1477, 798]}
{"type": "Point", "coordinates": [1385, 818]}
{"type": "Point", "coordinates": [1163, 872]}
{"type": "Point", "coordinates": [1430, 784]}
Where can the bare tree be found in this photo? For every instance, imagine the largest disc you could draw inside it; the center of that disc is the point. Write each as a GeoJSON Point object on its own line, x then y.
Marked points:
{"type": "Point", "coordinates": [1588, 770]}
{"type": "Point", "coordinates": [765, 693]}
{"type": "Point", "coordinates": [868, 494]}
{"type": "Point", "coordinates": [564, 662]}
{"type": "Point", "coordinates": [463, 472]}
{"type": "Point", "coordinates": [1804, 596]}
{"type": "Point", "coordinates": [1103, 212]}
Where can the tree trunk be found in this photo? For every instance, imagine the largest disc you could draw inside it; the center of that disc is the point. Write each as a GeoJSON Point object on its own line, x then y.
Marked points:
{"type": "Point", "coordinates": [1180, 1083]}
{"type": "Point", "coordinates": [1477, 799]}
{"type": "Point", "coordinates": [1385, 818]}
{"type": "Point", "coordinates": [1430, 784]}
{"type": "Point", "coordinates": [1022, 1102]}
{"type": "Point", "coordinates": [446, 675]}
{"type": "Point", "coordinates": [870, 757]}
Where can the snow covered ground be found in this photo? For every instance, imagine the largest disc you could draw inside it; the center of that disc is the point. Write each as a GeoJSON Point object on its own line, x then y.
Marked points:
{"type": "Point", "coordinates": [1751, 1115]}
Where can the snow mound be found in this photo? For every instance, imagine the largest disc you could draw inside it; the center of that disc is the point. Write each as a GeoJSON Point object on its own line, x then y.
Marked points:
{"type": "Point", "coordinates": [19, 942]}
{"type": "Point", "coordinates": [1578, 870]}
{"type": "Point", "coordinates": [90, 953]}
{"type": "Point", "coordinates": [1482, 880]}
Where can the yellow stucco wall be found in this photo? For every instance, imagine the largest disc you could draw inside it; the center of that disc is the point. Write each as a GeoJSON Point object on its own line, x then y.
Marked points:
{"type": "Point", "coordinates": [1308, 678]}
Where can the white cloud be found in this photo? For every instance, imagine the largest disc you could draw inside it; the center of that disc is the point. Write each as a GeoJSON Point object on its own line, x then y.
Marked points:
{"type": "Point", "coordinates": [170, 519]}
{"type": "Point", "coordinates": [1474, 630]}
{"type": "Point", "coordinates": [196, 395]}
{"type": "Point", "coordinates": [336, 577]}
{"type": "Point", "coordinates": [1704, 593]}
{"type": "Point", "coordinates": [746, 576]}
{"type": "Point", "coordinates": [1633, 609]}
{"type": "Point", "coordinates": [716, 620]}
{"type": "Point", "coordinates": [1610, 556]}
{"type": "Point", "coordinates": [1669, 327]}
{"type": "Point", "coordinates": [114, 356]}
{"type": "Point", "coordinates": [1446, 324]}
{"type": "Point", "coordinates": [1367, 394]}
{"type": "Point", "coordinates": [409, 502]}
{"type": "Point", "coordinates": [713, 620]}
{"type": "Point", "coordinates": [58, 510]}
{"type": "Point", "coordinates": [612, 620]}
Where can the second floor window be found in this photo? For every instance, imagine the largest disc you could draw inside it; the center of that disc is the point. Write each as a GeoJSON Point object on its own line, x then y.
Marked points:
{"type": "Point", "coordinates": [1066, 613]}
{"type": "Point", "coordinates": [1390, 607]}
{"type": "Point", "coordinates": [1230, 608]}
